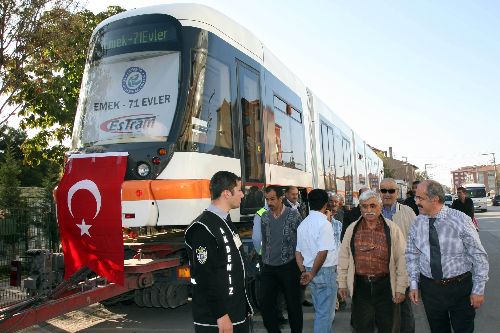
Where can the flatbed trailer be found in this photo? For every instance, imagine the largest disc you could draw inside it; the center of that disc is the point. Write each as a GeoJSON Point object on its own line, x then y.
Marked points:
{"type": "Point", "coordinates": [156, 275]}
{"type": "Point", "coordinates": [152, 279]}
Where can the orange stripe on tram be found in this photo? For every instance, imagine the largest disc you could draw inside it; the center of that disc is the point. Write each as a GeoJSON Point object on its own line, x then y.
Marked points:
{"type": "Point", "coordinates": [134, 190]}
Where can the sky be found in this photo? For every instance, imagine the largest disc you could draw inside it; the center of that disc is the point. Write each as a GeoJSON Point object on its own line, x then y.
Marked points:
{"type": "Point", "coordinates": [422, 77]}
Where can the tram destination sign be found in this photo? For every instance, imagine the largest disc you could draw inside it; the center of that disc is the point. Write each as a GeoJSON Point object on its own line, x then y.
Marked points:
{"type": "Point", "coordinates": [137, 35]}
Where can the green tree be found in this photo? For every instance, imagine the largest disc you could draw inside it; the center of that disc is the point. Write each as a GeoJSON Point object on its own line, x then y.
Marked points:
{"type": "Point", "coordinates": [11, 138]}
{"type": "Point", "coordinates": [14, 220]}
{"type": "Point", "coordinates": [50, 102]}
{"type": "Point", "coordinates": [421, 175]}
{"type": "Point", "coordinates": [42, 61]}
{"type": "Point", "coordinates": [10, 194]}
{"type": "Point", "coordinates": [31, 175]}
{"type": "Point", "coordinates": [21, 38]}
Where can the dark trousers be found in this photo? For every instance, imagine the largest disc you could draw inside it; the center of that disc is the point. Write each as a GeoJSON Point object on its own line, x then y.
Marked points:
{"type": "Point", "coordinates": [240, 328]}
{"type": "Point", "coordinates": [287, 279]}
{"type": "Point", "coordinates": [372, 306]}
{"type": "Point", "coordinates": [449, 304]}
{"type": "Point", "coordinates": [407, 318]}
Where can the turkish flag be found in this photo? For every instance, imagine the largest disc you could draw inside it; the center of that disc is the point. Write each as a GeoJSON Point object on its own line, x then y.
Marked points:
{"type": "Point", "coordinates": [89, 214]}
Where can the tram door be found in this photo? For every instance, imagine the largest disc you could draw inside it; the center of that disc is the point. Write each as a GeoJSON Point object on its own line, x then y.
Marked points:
{"type": "Point", "coordinates": [252, 148]}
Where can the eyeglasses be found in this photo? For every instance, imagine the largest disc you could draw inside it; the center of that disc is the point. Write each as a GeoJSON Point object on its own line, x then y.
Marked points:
{"type": "Point", "coordinates": [390, 190]}
{"type": "Point", "coordinates": [419, 198]}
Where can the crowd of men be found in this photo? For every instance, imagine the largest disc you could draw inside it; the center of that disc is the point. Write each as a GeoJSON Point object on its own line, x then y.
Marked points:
{"type": "Point", "coordinates": [382, 254]}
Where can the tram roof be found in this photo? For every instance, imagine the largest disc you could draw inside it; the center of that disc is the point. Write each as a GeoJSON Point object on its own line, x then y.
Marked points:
{"type": "Point", "coordinates": [207, 18]}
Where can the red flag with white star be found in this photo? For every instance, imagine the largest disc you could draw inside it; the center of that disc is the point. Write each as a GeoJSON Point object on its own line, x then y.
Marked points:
{"type": "Point", "coordinates": [89, 214]}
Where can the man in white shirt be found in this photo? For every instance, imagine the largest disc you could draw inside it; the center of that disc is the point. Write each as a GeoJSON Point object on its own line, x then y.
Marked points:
{"type": "Point", "coordinates": [317, 255]}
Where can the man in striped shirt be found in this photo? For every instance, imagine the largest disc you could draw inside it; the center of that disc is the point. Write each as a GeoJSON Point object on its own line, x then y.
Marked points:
{"type": "Point", "coordinates": [445, 255]}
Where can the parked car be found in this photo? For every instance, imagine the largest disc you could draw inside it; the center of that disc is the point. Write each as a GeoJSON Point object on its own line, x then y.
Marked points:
{"type": "Point", "coordinates": [448, 200]}
{"type": "Point", "coordinates": [496, 200]}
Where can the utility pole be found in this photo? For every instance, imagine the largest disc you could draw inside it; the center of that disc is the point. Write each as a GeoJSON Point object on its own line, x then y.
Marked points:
{"type": "Point", "coordinates": [406, 168]}
{"type": "Point", "coordinates": [495, 170]}
{"type": "Point", "coordinates": [425, 167]}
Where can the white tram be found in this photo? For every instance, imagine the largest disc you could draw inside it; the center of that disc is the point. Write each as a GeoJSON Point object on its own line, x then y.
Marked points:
{"type": "Point", "coordinates": [186, 91]}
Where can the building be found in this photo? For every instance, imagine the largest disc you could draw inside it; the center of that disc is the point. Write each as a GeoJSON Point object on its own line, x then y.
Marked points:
{"type": "Point", "coordinates": [397, 169]}
{"type": "Point", "coordinates": [483, 174]}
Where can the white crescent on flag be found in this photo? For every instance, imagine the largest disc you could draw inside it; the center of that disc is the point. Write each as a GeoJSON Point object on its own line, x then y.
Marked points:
{"type": "Point", "coordinates": [88, 185]}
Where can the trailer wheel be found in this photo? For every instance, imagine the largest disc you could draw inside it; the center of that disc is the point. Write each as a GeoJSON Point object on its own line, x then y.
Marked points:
{"type": "Point", "coordinates": [138, 298]}
{"type": "Point", "coordinates": [163, 295]}
{"type": "Point", "coordinates": [177, 295]}
{"type": "Point", "coordinates": [146, 297]}
{"type": "Point", "coordinates": [155, 296]}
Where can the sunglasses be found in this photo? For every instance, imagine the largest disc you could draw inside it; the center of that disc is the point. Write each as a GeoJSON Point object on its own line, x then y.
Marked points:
{"type": "Point", "coordinates": [391, 190]}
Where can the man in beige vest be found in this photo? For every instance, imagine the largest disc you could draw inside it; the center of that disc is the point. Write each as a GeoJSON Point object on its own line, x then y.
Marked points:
{"type": "Point", "coordinates": [403, 216]}
{"type": "Point", "coordinates": [372, 268]}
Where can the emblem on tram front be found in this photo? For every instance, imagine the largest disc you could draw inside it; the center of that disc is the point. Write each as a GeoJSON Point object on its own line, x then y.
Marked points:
{"type": "Point", "coordinates": [133, 80]}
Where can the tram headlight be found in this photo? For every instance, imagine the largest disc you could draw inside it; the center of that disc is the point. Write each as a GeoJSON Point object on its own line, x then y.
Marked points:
{"type": "Point", "coordinates": [143, 169]}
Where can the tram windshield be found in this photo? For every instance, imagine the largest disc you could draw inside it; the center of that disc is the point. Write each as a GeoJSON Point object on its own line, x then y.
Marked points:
{"type": "Point", "coordinates": [130, 85]}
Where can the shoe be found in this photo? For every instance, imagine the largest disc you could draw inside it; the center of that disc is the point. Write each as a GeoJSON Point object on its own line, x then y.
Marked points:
{"type": "Point", "coordinates": [306, 303]}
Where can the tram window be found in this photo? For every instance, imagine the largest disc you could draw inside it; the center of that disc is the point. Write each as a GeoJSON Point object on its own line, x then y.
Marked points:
{"type": "Point", "coordinates": [210, 119]}
{"type": "Point", "coordinates": [339, 156]}
{"type": "Point", "coordinates": [299, 145]}
{"type": "Point", "coordinates": [283, 140]}
{"type": "Point", "coordinates": [296, 115]}
{"type": "Point", "coordinates": [360, 164]}
{"type": "Point", "coordinates": [289, 131]}
{"type": "Point", "coordinates": [346, 144]}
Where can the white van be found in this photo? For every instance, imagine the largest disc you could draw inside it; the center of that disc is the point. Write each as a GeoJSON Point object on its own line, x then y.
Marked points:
{"type": "Point", "coordinates": [477, 192]}
{"type": "Point", "coordinates": [448, 200]}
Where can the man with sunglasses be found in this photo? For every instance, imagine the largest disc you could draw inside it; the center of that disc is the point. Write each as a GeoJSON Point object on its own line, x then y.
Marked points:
{"type": "Point", "coordinates": [372, 267]}
{"type": "Point", "coordinates": [446, 261]}
{"type": "Point", "coordinates": [403, 216]}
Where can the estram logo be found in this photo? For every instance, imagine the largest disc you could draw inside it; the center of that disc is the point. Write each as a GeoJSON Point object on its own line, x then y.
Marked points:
{"type": "Point", "coordinates": [133, 80]}
{"type": "Point", "coordinates": [129, 124]}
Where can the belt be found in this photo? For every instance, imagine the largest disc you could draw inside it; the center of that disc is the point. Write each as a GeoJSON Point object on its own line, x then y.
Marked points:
{"type": "Point", "coordinates": [372, 277]}
{"type": "Point", "coordinates": [445, 282]}
{"type": "Point", "coordinates": [334, 268]}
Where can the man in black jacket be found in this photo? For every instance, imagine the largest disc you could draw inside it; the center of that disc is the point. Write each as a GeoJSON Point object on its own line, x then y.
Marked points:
{"type": "Point", "coordinates": [220, 302]}
{"type": "Point", "coordinates": [410, 200]}
{"type": "Point", "coordinates": [463, 203]}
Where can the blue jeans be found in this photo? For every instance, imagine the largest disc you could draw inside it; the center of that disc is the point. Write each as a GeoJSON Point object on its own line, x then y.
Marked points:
{"type": "Point", "coordinates": [324, 295]}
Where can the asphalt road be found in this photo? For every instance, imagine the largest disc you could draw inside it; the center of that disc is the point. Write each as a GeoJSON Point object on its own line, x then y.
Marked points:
{"type": "Point", "coordinates": [130, 318]}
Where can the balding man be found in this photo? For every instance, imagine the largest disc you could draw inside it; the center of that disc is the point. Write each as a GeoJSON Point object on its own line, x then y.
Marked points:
{"type": "Point", "coordinates": [403, 216]}
{"type": "Point", "coordinates": [334, 206]}
{"type": "Point", "coordinates": [444, 253]}
{"type": "Point", "coordinates": [292, 200]}
{"type": "Point", "coordinates": [372, 267]}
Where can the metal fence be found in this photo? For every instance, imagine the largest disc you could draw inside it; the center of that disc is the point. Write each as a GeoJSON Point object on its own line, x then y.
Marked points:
{"type": "Point", "coordinates": [31, 227]}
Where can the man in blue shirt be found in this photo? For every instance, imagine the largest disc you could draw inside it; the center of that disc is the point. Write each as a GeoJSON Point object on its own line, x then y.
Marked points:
{"type": "Point", "coordinates": [445, 255]}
